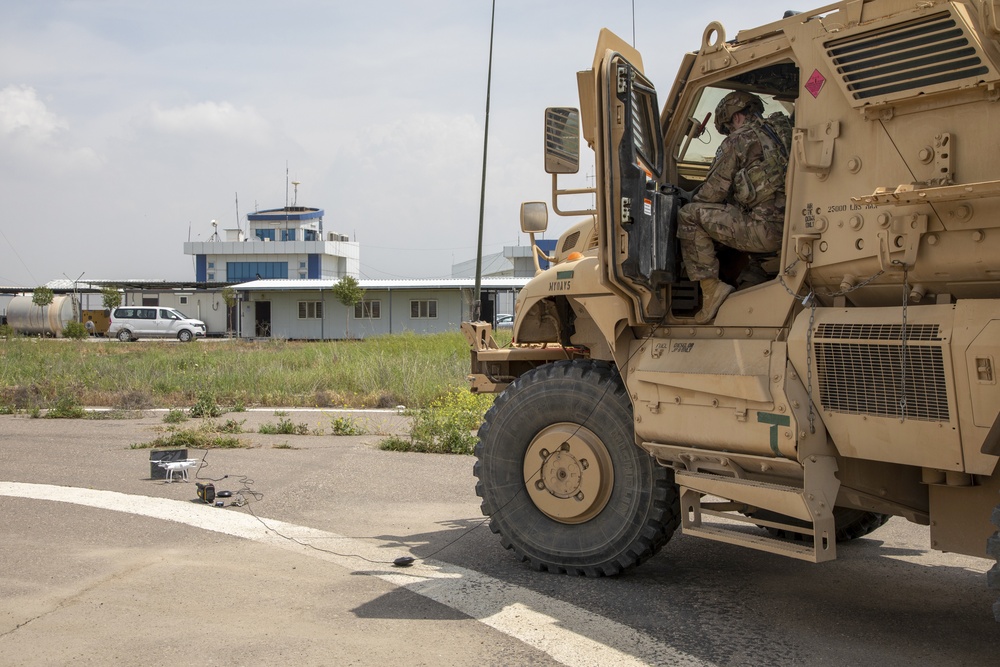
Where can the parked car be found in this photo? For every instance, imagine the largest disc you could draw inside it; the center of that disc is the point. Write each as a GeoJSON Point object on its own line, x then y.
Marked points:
{"type": "Point", "coordinates": [505, 321]}
{"type": "Point", "coordinates": [134, 322]}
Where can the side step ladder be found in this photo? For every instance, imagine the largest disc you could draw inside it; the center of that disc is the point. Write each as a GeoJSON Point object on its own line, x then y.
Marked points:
{"type": "Point", "coordinates": [813, 504]}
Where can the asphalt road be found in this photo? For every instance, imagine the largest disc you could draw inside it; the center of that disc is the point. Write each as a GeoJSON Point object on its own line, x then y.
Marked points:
{"type": "Point", "coordinates": [99, 564]}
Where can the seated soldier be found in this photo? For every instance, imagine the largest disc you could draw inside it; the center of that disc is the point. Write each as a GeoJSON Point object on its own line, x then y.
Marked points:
{"type": "Point", "coordinates": [741, 204]}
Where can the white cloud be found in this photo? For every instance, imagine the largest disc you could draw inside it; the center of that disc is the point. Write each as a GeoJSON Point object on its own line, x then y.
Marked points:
{"type": "Point", "coordinates": [22, 113]}
{"type": "Point", "coordinates": [213, 118]}
{"type": "Point", "coordinates": [35, 138]}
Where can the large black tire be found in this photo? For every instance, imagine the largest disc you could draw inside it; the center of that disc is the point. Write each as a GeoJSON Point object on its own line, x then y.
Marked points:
{"type": "Point", "coordinates": [561, 478]}
{"type": "Point", "coordinates": [851, 523]}
{"type": "Point", "coordinates": [993, 550]}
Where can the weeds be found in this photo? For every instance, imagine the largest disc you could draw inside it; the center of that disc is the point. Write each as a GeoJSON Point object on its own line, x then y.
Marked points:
{"type": "Point", "coordinates": [284, 427]}
{"type": "Point", "coordinates": [192, 439]}
{"type": "Point", "coordinates": [232, 426]}
{"type": "Point", "coordinates": [206, 407]}
{"type": "Point", "coordinates": [175, 416]}
{"type": "Point", "coordinates": [208, 435]}
{"type": "Point", "coordinates": [346, 426]}
{"type": "Point", "coordinates": [446, 426]}
{"type": "Point", "coordinates": [66, 408]}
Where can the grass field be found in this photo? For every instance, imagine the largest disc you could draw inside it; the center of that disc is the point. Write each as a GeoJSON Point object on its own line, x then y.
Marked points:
{"type": "Point", "coordinates": [410, 370]}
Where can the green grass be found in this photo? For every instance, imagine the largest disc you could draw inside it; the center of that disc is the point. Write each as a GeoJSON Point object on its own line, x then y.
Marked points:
{"type": "Point", "coordinates": [409, 369]}
{"type": "Point", "coordinates": [446, 426]}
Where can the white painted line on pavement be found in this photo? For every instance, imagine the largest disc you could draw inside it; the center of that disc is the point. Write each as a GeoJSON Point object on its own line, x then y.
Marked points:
{"type": "Point", "coordinates": [569, 634]}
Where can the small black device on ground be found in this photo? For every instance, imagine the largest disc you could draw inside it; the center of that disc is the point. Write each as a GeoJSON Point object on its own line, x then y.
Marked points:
{"type": "Point", "coordinates": [206, 492]}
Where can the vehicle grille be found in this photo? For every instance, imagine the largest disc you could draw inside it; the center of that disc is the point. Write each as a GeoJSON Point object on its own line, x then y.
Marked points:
{"type": "Point", "coordinates": [860, 371]}
{"type": "Point", "coordinates": [570, 242]}
{"type": "Point", "coordinates": [908, 57]}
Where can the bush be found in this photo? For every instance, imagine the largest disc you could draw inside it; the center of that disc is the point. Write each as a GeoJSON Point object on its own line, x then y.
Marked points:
{"type": "Point", "coordinates": [447, 426]}
{"type": "Point", "coordinates": [206, 407]}
{"type": "Point", "coordinates": [75, 330]}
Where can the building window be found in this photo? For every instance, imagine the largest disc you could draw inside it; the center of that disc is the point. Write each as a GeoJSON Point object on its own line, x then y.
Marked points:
{"type": "Point", "coordinates": [211, 276]}
{"type": "Point", "coordinates": [183, 300]}
{"type": "Point", "coordinates": [287, 234]}
{"type": "Point", "coordinates": [310, 310]}
{"type": "Point", "coordinates": [302, 276]}
{"type": "Point", "coordinates": [265, 234]}
{"type": "Point", "coordinates": [211, 265]}
{"type": "Point", "coordinates": [243, 271]}
{"type": "Point", "coordinates": [424, 309]}
{"type": "Point", "coordinates": [309, 235]}
{"type": "Point", "coordinates": [302, 265]}
{"type": "Point", "coordinates": [368, 310]}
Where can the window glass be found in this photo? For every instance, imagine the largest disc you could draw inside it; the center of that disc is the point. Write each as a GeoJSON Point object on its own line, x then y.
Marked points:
{"type": "Point", "coordinates": [703, 148]}
{"type": "Point", "coordinates": [244, 271]}
{"type": "Point", "coordinates": [423, 309]}
{"type": "Point", "coordinates": [368, 310]}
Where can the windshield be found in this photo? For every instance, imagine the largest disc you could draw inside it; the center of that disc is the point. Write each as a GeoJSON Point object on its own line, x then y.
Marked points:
{"type": "Point", "coordinates": [703, 148]}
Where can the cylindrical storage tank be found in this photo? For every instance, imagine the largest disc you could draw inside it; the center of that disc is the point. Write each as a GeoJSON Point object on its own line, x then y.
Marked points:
{"type": "Point", "coordinates": [27, 318]}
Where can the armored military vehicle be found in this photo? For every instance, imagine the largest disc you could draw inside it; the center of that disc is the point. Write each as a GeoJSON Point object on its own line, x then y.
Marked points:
{"type": "Point", "coordinates": [854, 379]}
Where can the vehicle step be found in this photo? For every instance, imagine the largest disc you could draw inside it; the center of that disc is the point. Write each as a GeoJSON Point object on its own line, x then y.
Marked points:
{"type": "Point", "coordinates": [813, 506]}
{"type": "Point", "coordinates": [758, 542]}
{"type": "Point", "coordinates": [785, 500]}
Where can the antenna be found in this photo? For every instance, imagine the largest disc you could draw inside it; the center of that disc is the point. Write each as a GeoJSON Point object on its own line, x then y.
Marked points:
{"type": "Point", "coordinates": [476, 299]}
{"type": "Point", "coordinates": [295, 198]}
{"type": "Point", "coordinates": [238, 213]}
{"type": "Point", "coordinates": [215, 230]}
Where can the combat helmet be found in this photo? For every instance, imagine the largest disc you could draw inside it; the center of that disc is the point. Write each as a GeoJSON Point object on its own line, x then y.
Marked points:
{"type": "Point", "coordinates": [732, 104]}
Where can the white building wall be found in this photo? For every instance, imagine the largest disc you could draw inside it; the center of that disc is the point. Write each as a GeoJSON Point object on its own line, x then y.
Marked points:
{"type": "Point", "coordinates": [338, 321]}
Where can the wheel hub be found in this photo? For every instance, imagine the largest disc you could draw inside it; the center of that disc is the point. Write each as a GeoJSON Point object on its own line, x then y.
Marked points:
{"type": "Point", "coordinates": [568, 473]}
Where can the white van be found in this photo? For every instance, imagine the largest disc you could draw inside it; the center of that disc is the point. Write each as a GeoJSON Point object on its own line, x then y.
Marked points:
{"type": "Point", "coordinates": [134, 322]}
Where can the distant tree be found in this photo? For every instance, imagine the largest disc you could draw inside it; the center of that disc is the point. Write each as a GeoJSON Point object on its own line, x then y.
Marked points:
{"type": "Point", "coordinates": [348, 293]}
{"type": "Point", "coordinates": [229, 296]}
{"type": "Point", "coordinates": [110, 297]}
{"type": "Point", "coordinates": [42, 296]}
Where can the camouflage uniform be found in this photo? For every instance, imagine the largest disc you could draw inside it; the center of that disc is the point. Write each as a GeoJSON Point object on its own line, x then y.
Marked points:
{"type": "Point", "coordinates": [741, 204]}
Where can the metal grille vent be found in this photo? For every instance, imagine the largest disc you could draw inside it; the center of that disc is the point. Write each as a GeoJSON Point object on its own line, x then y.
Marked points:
{"type": "Point", "coordinates": [909, 57]}
{"type": "Point", "coordinates": [859, 378]}
{"type": "Point", "coordinates": [885, 332]}
{"type": "Point", "coordinates": [570, 242]}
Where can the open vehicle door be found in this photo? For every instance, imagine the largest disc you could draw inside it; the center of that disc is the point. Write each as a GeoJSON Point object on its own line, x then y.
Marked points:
{"type": "Point", "coordinates": [637, 215]}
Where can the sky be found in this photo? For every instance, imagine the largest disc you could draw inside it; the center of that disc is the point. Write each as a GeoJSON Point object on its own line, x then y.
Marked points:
{"type": "Point", "coordinates": [128, 126]}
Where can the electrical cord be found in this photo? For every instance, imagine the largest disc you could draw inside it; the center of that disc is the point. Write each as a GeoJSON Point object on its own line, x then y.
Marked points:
{"type": "Point", "coordinates": [401, 561]}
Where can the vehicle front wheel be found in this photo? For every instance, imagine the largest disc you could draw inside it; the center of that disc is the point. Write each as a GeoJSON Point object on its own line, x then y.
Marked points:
{"type": "Point", "coordinates": [124, 335]}
{"type": "Point", "coordinates": [185, 336]}
{"type": "Point", "coordinates": [561, 478]}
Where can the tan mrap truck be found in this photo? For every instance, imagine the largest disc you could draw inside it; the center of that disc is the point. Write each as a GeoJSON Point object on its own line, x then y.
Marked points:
{"type": "Point", "coordinates": [854, 380]}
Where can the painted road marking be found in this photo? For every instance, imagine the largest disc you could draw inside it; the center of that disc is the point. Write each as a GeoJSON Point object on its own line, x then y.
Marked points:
{"type": "Point", "coordinates": [568, 634]}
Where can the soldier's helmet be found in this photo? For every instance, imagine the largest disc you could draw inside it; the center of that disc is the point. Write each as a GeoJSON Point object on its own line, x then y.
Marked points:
{"type": "Point", "coordinates": [734, 103]}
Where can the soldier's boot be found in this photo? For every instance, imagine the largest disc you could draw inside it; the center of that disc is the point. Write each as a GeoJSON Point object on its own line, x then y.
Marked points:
{"type": "Point", "coordinates": [713, 293]}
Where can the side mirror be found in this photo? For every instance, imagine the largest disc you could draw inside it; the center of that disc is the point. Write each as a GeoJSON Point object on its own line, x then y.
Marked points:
{"type": "Point", "coordinates": [534, 217]}
{"type": "Point", "coordinates": [562, 140]}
